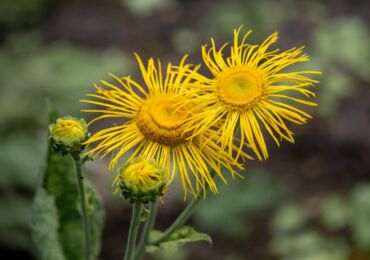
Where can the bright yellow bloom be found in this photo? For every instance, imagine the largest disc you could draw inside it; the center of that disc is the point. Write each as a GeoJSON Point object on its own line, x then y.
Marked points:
{"type": "Point", "coordinates": [69, 131]}
{"type": "Point", "coordinates": [251, 93]}
{"type": "Point", "coordinates": [141, 180]}
{"type": "Point", "coordinates": [153, 126]}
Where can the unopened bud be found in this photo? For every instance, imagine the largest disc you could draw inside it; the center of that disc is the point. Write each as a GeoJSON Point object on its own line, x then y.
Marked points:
{"type": "Point", "coordinates": [67, 135]}
{"type": "Point", "coordinates": [141, 180]}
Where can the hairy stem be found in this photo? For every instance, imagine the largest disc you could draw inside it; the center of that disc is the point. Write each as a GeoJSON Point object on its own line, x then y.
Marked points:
{"type": "Point", "coordinates": [134, 227]}
{"type": "Point", "coordinates": [85, 222]}
{"type": "Point", "coordinates": [149, 225]}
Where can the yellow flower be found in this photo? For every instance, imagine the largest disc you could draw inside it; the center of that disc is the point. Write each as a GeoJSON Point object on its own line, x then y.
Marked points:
{"type": "Point", "coordinates": [141, 180]}
{"type": "Point", "coordinates": [153, 127]}
{"type": "Point", "coordinates": [251, 93]}
{"type": "Point", "coordinates": [69, 131]}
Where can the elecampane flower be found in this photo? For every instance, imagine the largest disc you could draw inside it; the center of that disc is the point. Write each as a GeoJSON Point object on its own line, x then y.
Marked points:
{"type": "Point", "coordinates": [154, 126]}
{"type": "Point", "coordinates": [251, 93]}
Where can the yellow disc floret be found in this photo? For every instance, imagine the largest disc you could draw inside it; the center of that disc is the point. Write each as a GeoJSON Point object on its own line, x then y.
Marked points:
{"type": "Point", "coordinates": [160, 120]}
{"type": "Point", "coordinates": [240, 88]}
{"type": "Point", "coordinates": [141, 180]}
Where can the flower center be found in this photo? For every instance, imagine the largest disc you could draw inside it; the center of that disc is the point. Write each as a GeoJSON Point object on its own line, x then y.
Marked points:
{"type": "Point", "coordinates": [240, 88]}
{"type": "Point", "coordinates": [160, 120]}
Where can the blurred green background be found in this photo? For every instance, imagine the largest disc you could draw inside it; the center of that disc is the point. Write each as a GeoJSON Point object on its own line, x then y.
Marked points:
{"type": "Point", "coordinates": [310, 200]}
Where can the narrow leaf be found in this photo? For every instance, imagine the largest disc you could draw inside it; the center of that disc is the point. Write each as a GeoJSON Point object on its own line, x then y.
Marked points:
{"type": "Point", "coordinates": [181, 237]}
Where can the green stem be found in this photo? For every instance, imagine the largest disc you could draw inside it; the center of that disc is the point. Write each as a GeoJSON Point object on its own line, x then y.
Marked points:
{"type": "Point", "coordinates": [149, 224]}
{"type": "Point", "coordinates": [134, 227]}
{"type": "Point", "coordinates": [81, 189]}
{"type": "Point", "coordinates": [183, 217]}
{"type": "Point", "coordinates": [180, 221]}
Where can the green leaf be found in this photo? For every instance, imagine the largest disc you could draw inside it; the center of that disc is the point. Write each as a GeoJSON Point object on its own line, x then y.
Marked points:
{"type": "Point", "coordinates": [44, 224]}
{"type": "Point", "coordinates": [179, 238]}
{"type": "Point", "coordinates": [56, 222]}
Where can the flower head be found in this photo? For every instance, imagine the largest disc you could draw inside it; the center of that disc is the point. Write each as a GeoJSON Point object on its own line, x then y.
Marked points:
{"type": "Point", "coordinates": [141, 180]}
{"type": "Point", "coordinates": [153, 126]}
{"type": "Point", "coordinates": [250, 93]}
{"type": "Point", "coordinates": [68, 134]}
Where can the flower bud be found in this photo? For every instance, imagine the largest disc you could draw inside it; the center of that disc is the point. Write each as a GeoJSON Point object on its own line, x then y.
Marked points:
{"type": "Point", "coordinates": [141, 180]}
{"type": "Point", "coordinates": [67, 135]}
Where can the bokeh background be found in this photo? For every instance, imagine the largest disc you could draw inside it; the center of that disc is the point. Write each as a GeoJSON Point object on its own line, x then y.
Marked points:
{"type": "Point", "coordinates": [310, 200]}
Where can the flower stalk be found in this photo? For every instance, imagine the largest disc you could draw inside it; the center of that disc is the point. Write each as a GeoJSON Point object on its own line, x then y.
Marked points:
{"type": "Point", "coordinates": [180, 220]}
{"type": "Point", "coordinates": [78, 165]}
{"type": "Point", "coordinates": [134, 227]}
{"type": "Point", "coordinates": [183, 217]}
{"type": "Point", "coordinates": [149, 225]}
